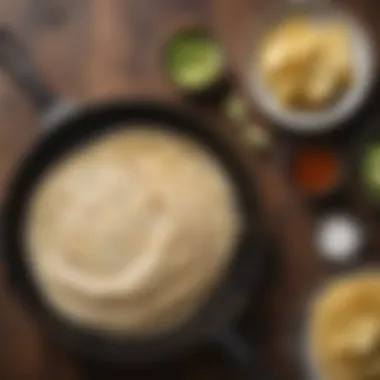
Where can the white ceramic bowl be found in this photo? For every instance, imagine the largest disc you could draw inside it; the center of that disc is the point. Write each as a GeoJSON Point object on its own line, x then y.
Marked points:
{"type": "Point", "coordinates": [303, 354]}
{"type": "Point", "coordinates": [364, 64]}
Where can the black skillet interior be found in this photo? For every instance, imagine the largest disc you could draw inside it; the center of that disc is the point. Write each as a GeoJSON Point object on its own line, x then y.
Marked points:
{"type": "Point", "coordinates": [230, 297]}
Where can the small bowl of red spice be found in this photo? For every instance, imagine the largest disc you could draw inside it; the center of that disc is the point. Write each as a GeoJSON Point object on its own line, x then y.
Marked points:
{"type": "Point", "coordinates": [316, 170]}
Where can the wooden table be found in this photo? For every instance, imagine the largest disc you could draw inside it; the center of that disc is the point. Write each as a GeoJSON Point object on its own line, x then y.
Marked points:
{"type": "Point", "coordinates": [89, 49]}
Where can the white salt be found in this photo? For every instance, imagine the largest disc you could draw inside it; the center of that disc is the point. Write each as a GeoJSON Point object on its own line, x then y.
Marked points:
{"type": "Point", "coordinates": [339, 237]}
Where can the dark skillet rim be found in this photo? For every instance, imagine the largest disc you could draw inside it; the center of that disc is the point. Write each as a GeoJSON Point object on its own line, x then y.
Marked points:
{"type": "Point", "coordinates": [230, 297]}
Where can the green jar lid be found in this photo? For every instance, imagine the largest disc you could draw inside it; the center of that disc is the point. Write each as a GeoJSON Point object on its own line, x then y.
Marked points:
{"type": "Point", "coordinates": [194, 60]}
{"type": "Point", "coordinates": [371, 170]}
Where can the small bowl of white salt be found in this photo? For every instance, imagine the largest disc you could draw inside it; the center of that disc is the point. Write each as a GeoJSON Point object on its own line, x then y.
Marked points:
{"type": "Point", "coordinates": [340, 237]}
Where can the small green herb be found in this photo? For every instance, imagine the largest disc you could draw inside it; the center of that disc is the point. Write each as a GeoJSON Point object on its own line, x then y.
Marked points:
{"type": "Point", "coordinates": [236, 109]}
{"type": "Point", "coordinates": [257, 137]}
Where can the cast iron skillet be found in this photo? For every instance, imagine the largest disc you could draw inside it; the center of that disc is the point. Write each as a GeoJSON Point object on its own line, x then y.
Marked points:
{"type": "Point", "coordinates": [76, 126]}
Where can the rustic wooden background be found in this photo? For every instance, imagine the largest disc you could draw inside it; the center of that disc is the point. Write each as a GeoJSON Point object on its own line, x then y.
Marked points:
{"type": "Point", "coordinates": [88, 49]}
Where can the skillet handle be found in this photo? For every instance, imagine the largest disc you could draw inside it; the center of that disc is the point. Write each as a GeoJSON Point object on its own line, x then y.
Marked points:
{"type": "Point", "coordinates": [246, 361]}
{"type": "Point", "coordinates": [15, 60]}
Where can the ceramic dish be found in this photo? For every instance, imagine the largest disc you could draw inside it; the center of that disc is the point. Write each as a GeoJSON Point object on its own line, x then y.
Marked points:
{"type": "Point", "coordinates": [311, 122]}
{"type": "Point", "coordinates": [302, 351]}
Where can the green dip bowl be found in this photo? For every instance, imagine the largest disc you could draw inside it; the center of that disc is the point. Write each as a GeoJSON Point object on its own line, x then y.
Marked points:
{"type": "Point", "coordinates": [370, 170]}
{"type": "Point", "coordinates": [195, 63]}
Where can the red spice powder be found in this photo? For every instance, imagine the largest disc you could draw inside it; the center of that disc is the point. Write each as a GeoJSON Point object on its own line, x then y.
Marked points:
{"type": "Point", "coordinates": [315, 169]}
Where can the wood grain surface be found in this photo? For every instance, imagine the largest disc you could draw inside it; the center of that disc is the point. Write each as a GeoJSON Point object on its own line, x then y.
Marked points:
{"type": "Point", "coordinates": [92, 49]}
